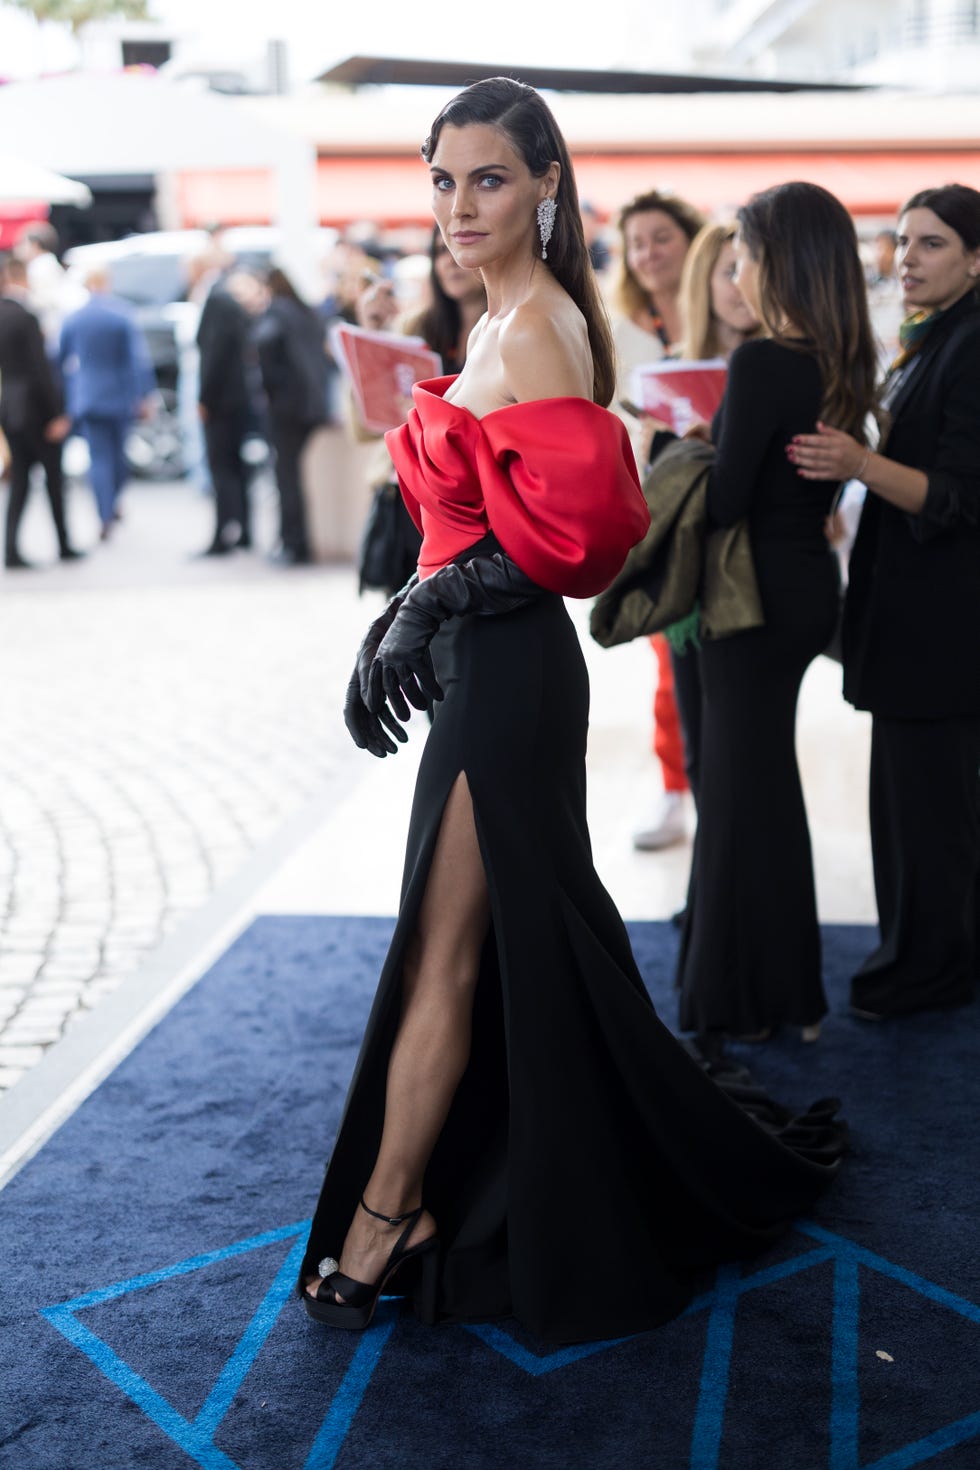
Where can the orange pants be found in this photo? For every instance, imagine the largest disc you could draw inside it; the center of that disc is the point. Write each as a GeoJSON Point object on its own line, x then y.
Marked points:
{"type": "Point", "coordinates": [668, 737]}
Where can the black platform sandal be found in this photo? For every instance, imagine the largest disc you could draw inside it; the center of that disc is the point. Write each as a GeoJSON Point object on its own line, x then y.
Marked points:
{"type": "Point", "coordinates": [360, 1299]}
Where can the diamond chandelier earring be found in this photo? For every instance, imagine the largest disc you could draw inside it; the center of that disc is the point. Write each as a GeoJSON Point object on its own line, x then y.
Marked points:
{"type": "Point", "coordinates": [547, 210]}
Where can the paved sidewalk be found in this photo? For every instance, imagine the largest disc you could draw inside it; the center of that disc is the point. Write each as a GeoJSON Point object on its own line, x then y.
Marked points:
{"type": "Point", "coordinates": [163, 717]}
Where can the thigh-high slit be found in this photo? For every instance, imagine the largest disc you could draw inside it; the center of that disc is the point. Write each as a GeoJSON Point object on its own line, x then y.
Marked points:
{"type": "Point", "coordinates": [587, 1166]}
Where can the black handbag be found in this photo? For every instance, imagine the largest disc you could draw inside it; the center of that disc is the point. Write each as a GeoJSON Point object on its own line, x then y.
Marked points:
{"type": "Point", "coordinates": [390, 543]}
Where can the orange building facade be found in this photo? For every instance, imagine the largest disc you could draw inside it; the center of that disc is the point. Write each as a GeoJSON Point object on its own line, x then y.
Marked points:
{"type": "Point", "coordinates": [392, 189]}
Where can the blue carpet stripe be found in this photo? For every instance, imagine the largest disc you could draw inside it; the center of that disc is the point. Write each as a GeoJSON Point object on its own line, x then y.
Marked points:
{"type": "Point", "coordinates": [197, 1438]}
{"type": "Point", "coordinates": [844, 1392]}
{"type": "Point", "coordinates": [863, 1257]}
{"type": "Point", "coordinates": [188, 1436]}
{"type": "Point", "coordinates": [347, 1399]}
{"type": "Point", "coordinates": [782, 1271]}
{"type": "Point", "coordinates": [926, 1449]}
{"type": "Point", "coordinates": [220, 1399]}
{"type": "Point", "coordinates": [537, 1364]}
{"type": "Point", "coordinates": [183, 1268]}
{"type": "Point", "coordinates": [713, 1393]}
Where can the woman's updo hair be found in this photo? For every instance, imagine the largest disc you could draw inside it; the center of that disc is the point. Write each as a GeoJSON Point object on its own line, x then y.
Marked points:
{"type": "Point", "coordinates": [958, 206]}
{"type": "Point", "coordinates": [810, 276]}
{"type": "Point", "coordinates": [521, 115]}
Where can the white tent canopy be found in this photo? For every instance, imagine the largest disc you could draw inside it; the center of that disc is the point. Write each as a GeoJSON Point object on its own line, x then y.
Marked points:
{"type": "Point", "coordinates": [88, 124]}
{"type": "Point", "coordinates": [23, 182]}
{"type": "Point", "coordinates": [94, 125]}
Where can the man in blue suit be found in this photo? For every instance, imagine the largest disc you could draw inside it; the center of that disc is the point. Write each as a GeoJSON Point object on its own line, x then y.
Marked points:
{"type": "Point", "coordinates": [109, 380]}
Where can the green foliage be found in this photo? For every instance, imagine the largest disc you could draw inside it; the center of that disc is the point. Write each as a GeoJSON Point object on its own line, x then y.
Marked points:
{"type": "Point", "coordinates": [77, 14]}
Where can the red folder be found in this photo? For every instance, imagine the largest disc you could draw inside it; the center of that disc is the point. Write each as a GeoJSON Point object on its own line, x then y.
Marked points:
{"type": "Point", "coordinates": [680, 393]}
{"type": "Point", "coordinates": [381, 368]}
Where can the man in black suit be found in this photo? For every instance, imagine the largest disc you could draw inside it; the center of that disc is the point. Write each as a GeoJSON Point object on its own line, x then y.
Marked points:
{"type": "Point", "coordinates": [224, 344]}
{"type": "Point", "coordinates": [31, 415]}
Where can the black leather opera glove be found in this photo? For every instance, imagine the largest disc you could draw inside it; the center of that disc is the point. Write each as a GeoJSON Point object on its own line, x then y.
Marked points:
{"type": "Point", "coordinates": [402, 667]}
{"type": "Point", "coordinates": [369, 728]}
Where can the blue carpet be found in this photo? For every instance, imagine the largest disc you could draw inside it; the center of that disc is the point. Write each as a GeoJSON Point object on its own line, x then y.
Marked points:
{"type": "Point", "coordinates": [149, 1253]}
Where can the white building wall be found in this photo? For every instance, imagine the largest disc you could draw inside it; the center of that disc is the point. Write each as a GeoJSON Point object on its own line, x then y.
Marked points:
{"type": "Point", "coordinates": [932, 44]}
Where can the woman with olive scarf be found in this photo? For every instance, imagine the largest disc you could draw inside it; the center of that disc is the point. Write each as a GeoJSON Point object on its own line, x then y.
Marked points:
{"type": "Point", "coordinates": [912, 617]}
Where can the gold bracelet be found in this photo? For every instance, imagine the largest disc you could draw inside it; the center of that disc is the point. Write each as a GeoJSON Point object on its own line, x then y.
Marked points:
{"type": "Point", "coordinates": [859, 472]}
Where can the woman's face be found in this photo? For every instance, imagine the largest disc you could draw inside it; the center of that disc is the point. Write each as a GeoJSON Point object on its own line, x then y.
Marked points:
{"type": "Point", "coordinates": [458, 283]}
{"type": "Point", "coordinates": [746, 276]}
{"type": "Point", "coordinates": [934, 266]}
{"type": "Point", "coordinates": [728, 304]}
{"type": "Point", "coordinates": [484, 196]}
{"type": "Point", "coordinates": [654, 247]}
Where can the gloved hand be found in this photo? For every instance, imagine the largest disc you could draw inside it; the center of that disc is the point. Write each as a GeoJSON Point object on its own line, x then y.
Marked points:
{"type": "Point", "coordinates": [402, 667]}
{"type": "Point", "coordinates": [369, 728]}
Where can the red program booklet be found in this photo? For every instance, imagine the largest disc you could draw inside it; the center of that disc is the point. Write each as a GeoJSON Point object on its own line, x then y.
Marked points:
{"type": "Point", "coordinates": [381, 368]}
{"type": "Point", "coordinates": [680, 393]}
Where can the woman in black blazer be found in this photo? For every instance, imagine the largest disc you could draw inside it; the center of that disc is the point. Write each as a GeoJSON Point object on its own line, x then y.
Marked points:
{"type": "Point", "coordinates": [912, 618]}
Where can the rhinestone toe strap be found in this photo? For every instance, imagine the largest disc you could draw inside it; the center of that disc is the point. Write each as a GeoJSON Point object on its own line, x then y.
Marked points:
{"type": "Point", "coordinates": [352, 1293]}
{"type": "Point", "coordinates": [327, 1267]}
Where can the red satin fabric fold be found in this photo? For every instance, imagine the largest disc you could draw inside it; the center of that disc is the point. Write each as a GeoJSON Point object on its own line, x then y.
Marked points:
{"type": "Point", "coordinates": [554, 480]}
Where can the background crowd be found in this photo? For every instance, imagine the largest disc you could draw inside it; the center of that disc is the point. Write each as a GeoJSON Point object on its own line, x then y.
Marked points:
{"type": "Point", "coordinates": [254, 367]}
{"type": "Point", "coordinates": [247, 375]}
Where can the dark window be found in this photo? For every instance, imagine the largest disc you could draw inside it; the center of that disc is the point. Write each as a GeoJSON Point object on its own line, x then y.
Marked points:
{"type": "Point", "coordinates": [145, 53]}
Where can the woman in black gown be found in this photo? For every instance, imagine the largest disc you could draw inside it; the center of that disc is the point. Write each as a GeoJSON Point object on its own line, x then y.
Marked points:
{"type": "Point", "coordinates": [518, 1114]}
{"type": "Point", "coordinates": [750, 958]}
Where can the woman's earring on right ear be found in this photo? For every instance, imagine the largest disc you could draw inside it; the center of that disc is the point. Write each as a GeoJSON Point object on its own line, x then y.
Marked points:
{"type": "Point", "coordinates": [547, 210]}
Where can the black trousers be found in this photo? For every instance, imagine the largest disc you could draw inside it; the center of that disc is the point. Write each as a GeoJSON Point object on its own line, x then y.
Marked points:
{"type": "Point", "coordinates": [289, 438]}
{"type": "Point", "coordinates": [28, 448]}
{"type": "Point", "coordinates": [224, 435]}
{"type": "Point", "coordinates": [925, 841]}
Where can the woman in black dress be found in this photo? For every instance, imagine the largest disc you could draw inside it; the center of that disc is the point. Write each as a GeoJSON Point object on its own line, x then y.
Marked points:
{"type": "Point", "coordinates": [750, 958]}
{"type": "Point", "coordinates": [518, 1112]}
{"type": "Point", "coordinates": [912, 618]}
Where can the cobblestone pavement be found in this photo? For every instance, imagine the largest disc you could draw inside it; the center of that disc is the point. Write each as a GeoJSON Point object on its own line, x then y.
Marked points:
{"type": "Point", "coordinates": [161, 718]}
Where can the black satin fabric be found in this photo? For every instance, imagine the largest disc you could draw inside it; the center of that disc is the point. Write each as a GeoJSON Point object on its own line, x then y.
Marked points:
{"type": "Point", "coordinates": [583, 1134]}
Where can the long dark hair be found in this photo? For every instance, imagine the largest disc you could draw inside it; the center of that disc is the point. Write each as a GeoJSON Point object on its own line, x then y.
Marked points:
{"type": "Point", "coordinates": [441, 322]}
{"type": "Point", "coordinates": [525, 120]}
{"type": "Point", "coordinates": [958, 206]}
{"type": "Point", "coordinates": [279, 284]}
{"type": "Point", "coordinates": [804, 242]}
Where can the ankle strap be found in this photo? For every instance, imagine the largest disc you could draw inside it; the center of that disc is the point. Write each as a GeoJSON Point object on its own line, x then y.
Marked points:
{"type": "Point", "coordinates": [391, 1219]}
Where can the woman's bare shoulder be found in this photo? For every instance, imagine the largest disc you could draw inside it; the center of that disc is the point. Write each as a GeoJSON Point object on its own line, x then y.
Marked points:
{"type": "Point", "coordinates": [544, 349]}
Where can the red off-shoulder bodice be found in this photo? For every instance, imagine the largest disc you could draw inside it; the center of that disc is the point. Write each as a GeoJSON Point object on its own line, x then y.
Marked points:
{"type": "Point", "coordinates": [554, 480]}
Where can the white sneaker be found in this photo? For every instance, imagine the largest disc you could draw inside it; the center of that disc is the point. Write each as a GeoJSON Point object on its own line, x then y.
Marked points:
{"type": "Point", "coordinates": [668, 826]}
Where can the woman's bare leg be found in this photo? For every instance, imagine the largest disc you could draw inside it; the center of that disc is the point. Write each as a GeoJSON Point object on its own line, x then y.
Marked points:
{"type": "Point", "coordinates": [432, 1046]}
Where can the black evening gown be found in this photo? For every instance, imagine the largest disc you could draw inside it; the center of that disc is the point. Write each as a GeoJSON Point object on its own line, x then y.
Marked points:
{"type": "Point", "coordinates": [750, 955]}
{"type": "Point", "coordinates": [589, 1167]}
